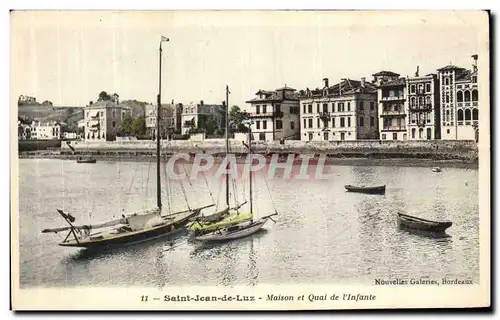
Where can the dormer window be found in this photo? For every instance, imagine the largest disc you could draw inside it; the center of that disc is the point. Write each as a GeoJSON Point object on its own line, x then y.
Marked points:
{"type": "Point", "coordinates": [474, 79]}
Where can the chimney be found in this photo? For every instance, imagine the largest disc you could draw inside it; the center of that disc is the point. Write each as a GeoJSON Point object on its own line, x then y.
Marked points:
{"type": "Point", "coordinates": [91, 102]}
{"type": "Point", "coordinates": [474, 65]}
{"type": "Point", "coordinates": [201, 102]}
{"type": "Point", "coordinates": [325, 82]}
{"type": "Point", "coordinates": [363, 82]}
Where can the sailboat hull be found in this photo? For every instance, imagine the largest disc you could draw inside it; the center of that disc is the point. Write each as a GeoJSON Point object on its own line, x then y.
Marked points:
{"type": "Point", "coordinates": [234, 219]}
{"type": "Point", "coordinates": [233, 234]}
{"type": "Point", "coordinates": [126, 238]}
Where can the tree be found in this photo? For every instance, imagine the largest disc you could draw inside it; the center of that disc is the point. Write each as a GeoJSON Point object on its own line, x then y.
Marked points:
{"type": "Point", "coordinates": [236, 118]}
{"type": "Point", "coordinates": [209, 123]}
{"type": "Point", "coordinates": [139, 126]}
{"type": "Point", "coordinates": [104, 96]}
{"type": "Point", "coordinates": [126, 126]}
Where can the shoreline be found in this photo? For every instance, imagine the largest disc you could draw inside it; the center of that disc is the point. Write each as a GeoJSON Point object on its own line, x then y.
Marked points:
{"type": "Point", "coordinates": [331, 159]}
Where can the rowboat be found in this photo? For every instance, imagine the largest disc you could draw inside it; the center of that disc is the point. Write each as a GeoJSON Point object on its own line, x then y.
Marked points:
{"type": "Point", "coordinates": [415, 223]}
{"type": "Point", "coordinates": [436, 169]}
{"type": "Point", "coordinates": [363, 189]}
{"type": "Point", "coordinates": [86, 161]}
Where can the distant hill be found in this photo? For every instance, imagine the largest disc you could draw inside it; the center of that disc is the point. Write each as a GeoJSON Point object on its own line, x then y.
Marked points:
{"type": "Point", "coordinates": [68, 115]}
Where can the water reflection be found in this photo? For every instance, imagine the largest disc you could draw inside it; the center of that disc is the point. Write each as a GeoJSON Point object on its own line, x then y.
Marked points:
{"type": "Point", "coordinates": [322, 234]}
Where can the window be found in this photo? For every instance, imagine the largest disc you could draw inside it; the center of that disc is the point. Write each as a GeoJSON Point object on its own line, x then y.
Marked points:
{"type": "Point", "coordinates": [264, 124]}
{"type": "Point", "coordinates": [467, 96]}
{"type": "Point", "coordinates": [391, 93]}
{"type": "Point", "coordinates": [325, 107]}
{"type": "Point", "coordinates": [348, 106]}
{"type": "Point", "coordinates": [447, 97]}
{"type": "Point", "coordinates": [325, 136]}
{"type": "Point", "coordinates": [467, 115]}
{"type": "Point", "coordinates": [361, 121]}
{"type": "Point", "coordinates": [428, 87]}
{"type": "Point", "coordinates": [317, 123]}
{"type": "Point", "coordinates": [348, 121]}
{"type": "Point", "coordinates": [342, 122]}
{"type": "Point", "coordinates": [420, 133]}
{"type": "Point", "coordinates": [420, 88]}
{"type": "Point", "coordinates": [460, 115]}
{"type": "Point", "coordinates": [448, 131]}
{"type": "Point", "coordinates": [394, 136]}
{"type": "Point", "coordinates": [277, 108]}
{"type": "Point", "coordinates": [474, 95]}
{"type": "Point", "coordinates": [317, 107]}
{"type": "Point", "coordinates": [257, 109]}
{"type": "Point", "coordinates": [446, 81]}
{"type": "Point", "coordinates": [383, 136]}
{"type": "Point", "coordinates": [279, 124]}
{"type": "Point", "coordinates": [341, 107]}
{"type": "Point", "coordinates": [257, 124]}
{"type": "Point", "coordinates": [264, 109]}
{"type": "Point", "coordinates": [305, 123]}
{"type": "Point", "coordinates": [113, 124]}
{"type": "Point", "coordinates": [372, 121]}
{"type": "Point", "coordinates": [372, 106]}
{"type": "Point", "coordinates": [310, 123]}
{"type": "Point", "coordinates": [304, 108]}
{"type": "Point", "coordinates": [333, 122]}
{"type": "Point", "coordinates": [475, 114]}
{"type": "Point", "coordinates": [412, 88]}
{"type": "Point", "coordinates": [262, 136]}
{"type": "Point", "coordinates": [310, 136]}
{"type": "Point", "coordinates": [474, 79]}
{"type": "Point", "coordinates": [114, 116]}
{"type": "Point", "coordinates": [413, 101]}
{"type": "Point", "coordinates": [292, 125]}
{"type": "Point", "coordinates": [310, 108]}
{"type": "Point", "coordinates": [429, 133]}
{"type": "Point", "coordinates": [102, 114]}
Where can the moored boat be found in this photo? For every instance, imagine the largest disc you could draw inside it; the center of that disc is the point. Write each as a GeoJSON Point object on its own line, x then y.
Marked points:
{"type": "Point", "coordinates": [436, 169]}
{"type": "Point", "coordinates": [80, 160]}
{"type": "Point", "coordinates": [415, 223]}
{"type": "Point", "coordinates": [363, 189]}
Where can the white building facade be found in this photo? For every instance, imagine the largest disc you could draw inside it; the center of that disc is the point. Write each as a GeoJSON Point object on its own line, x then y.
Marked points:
{"type": "Point", "coordinates": [345, 111]}
{"type": "Point", "coordinates": [275, 114]}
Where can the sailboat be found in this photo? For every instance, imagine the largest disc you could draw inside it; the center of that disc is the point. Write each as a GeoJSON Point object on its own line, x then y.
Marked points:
{"type": "Point", "coordinates": [132, 228]}
{"type": "Point", "coordinates": [228, 216]}
{"type": "Point", "coordinates": [244, 228]}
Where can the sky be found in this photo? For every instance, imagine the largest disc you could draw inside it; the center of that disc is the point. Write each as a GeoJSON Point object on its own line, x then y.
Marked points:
{"type": "Point", "coordinates": [69, 57]}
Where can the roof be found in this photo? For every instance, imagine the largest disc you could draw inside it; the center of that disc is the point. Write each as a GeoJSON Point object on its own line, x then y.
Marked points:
{"type": "Point", "coordinates": [465, 75]}
{"type": "Point", "coordinates": [285, 88]}
{"type": "Point", "coordinates": [450, 67]}
{"type": "Point", "coordinates": [345, 87]}
{"type": "Point", "coordinates": [108, 104]}
{"type": "Point", "coordinates": [385, 73]}
{"type": "Point", "coordinates": [275, 96]}
{"type": "Point", "coordinates": [394, 83]}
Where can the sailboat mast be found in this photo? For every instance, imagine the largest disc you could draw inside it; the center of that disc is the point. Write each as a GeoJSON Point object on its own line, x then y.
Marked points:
{"type": "Point", "coordinates": [250, 171]}
{"type": "Point", "coordinates": [158, 182]}
{"type": "Point", "coordinates": [227, 143]}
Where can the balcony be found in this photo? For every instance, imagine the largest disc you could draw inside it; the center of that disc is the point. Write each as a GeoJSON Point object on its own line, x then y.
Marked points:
{"type": "Point", "coordinates": [325, 116]}
{"type": "Point", "coordinates": [261, 115]}
{"type": "Point", "coordinates": [394, 128]}
{"type": "Point", "coordinates": [425, 107]}
{"type": "Point", "coordinates": [386, 113]}
{"type": "Point", "coordinates": [393, 98]}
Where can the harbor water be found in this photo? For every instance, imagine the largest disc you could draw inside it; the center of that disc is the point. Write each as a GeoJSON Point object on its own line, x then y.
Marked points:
{"type": "Point", "coordinates": [322, 233]}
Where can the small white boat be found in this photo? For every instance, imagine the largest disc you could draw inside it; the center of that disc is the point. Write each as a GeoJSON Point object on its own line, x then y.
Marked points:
{"type": "Point", "coordinates": [436, 169]}
{"type": "Point", "coordinates": [235, 232]}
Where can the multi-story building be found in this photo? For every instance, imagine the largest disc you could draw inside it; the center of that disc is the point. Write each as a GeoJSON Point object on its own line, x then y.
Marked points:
{"type": "Point", "coordinates": [392, 108]}
{"type": "Point", "coordinates": [423, 107]}
{"type": "Point", "coordinates": [344, 111]}
{"type": "Point", "coordinates": [45, 130]}
{"type": "Point", "coordinates": [275, 114]}
{"type": "Point", "coordinates": [103, 119]}
{"type": "Point", "coordinates": [460, 102]}
{"type": "Point", "coordinates": [194, 114]}
{"type": "Point", "coordinates": [167, 119]}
